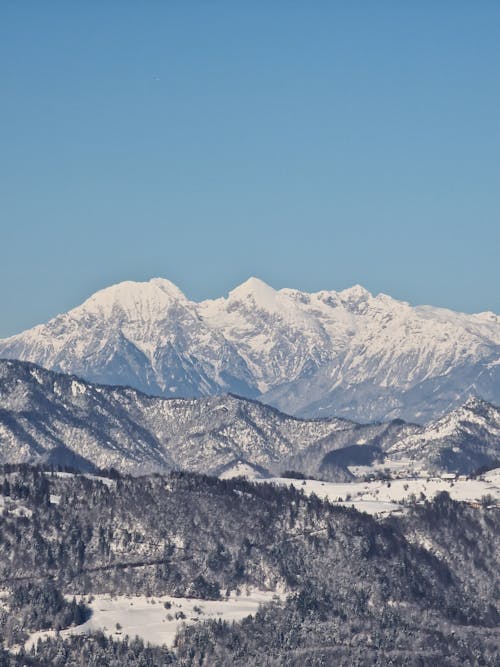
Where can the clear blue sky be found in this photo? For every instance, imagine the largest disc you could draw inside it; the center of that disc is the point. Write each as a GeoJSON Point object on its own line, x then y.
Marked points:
{"type": "Point", "coordinates": [315, 145]}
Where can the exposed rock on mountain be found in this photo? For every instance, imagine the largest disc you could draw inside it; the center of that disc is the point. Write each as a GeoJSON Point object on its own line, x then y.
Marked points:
{"type": "Point", "coordinates": [347, 353]}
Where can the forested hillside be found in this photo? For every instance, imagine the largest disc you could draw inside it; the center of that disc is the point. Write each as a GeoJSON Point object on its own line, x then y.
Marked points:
{"type": "Point", "coordinates": [358, 589]}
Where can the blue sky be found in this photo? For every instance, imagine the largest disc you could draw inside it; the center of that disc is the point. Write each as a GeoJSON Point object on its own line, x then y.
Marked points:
{"type": "Point", "coordinates": [315, 145]}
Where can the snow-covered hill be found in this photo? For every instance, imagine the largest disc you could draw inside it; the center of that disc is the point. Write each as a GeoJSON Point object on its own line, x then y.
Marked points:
{"type": "Point", "coordinates": [463, 440]}
{"type": "Point", "coordinates": [60, 419]}
{"type": "Point", "coordinates": [345, 353]}
{"type": "Point", "coordinates": [379, 497]}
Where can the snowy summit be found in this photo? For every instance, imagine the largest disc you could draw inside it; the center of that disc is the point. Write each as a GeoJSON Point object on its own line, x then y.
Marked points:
{"type": "Point", "coordinates": [347, 353]}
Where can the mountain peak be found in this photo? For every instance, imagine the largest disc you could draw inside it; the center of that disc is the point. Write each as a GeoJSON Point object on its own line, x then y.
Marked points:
{"type": "Point", "coordinates": [346, 353]}
{"type": "Point", "coordinates": [167, 287]}
{"type": "Point", "coordinates": [131, 296]}
{"type": "Point", "coordinates": [355, 293]}
{"type": "Point", "coordinates": [253, 287]}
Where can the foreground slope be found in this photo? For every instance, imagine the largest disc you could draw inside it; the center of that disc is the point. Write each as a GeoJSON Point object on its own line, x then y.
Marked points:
{"type": "Point", "coordinates": [345, 353]}
{"type": "Point", "coordinates": [416, 590]}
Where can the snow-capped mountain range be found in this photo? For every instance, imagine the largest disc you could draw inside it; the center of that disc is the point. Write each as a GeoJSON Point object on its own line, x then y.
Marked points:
{"type": "Point", "coordinates": [57, 418]}
{"type": "Point", "coordinates": [346, 353]}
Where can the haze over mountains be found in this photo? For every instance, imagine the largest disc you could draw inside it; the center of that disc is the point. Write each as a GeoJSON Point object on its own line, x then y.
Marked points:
{"type": "Point", "coordinates": [348, 353]}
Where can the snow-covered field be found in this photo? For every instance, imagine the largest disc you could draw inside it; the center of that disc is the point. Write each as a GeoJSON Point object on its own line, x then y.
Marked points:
{"type": "Point", "coordinates": [379, 497]}
{"type": "Point", "coordinates": [148, 618]}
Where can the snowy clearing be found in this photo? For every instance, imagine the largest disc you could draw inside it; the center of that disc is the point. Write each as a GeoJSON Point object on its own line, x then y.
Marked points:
{"type": "Point", "coordinates": [382, 497]}
{"type": "Point", "coordinates": [148, 618]}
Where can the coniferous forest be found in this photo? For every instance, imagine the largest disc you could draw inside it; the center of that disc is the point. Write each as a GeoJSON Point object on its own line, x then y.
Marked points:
{"type": "Point", "coordinates": [416, 589]}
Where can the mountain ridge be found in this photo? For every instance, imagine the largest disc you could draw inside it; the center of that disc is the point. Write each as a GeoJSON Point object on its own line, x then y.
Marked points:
{"type": "Point", "coordinates": [43, 413]}
{"type": "Point", "coordinates": [59, 419]}
{"type": "Point", "coordinates": [347, 353]}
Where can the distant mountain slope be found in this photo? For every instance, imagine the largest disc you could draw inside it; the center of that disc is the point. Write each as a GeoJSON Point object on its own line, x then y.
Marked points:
{"type": "Point", "coordinates": [144, 335]}
{"type": "Point", "coordinates": [463, 440]}
{"type": "Point", "coordinates": [47, 416]}
{"type": "Point", "coordinates": [60, 419]}
{"type": "Point", "coordinates": [362, 444]}
{"type": "Point", "coordinates": [348, 353]}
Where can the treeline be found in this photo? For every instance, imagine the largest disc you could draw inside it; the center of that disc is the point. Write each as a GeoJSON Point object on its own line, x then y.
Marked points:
{"type": "Point", "coordinates": [191, 535]}
{"type": "Point", "coordinates": [308, 631]}
{"type": "Point", "coordinates": [29, 607]}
